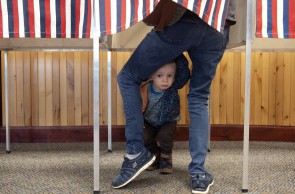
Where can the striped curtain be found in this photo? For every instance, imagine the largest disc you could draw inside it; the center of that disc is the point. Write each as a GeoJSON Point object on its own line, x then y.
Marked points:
{"type": "Point", "coordinates": [113, 16]}
{"type": "Point", "coordinates": [211, 11]}
{"type": "Point", "coordinates": [275, 18]}
{"type": "Point", "coordinates": [45, 18]}
{"type": "Point", "coordinates": [72, 18]}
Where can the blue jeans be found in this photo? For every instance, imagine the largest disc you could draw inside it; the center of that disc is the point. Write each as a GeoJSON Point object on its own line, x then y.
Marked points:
{"type": "Point", "coordinates": [205, 47]}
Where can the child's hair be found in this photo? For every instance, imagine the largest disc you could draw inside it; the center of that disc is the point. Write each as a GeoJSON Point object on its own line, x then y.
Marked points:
{"type": "Point", "coordinates": [170, 62]}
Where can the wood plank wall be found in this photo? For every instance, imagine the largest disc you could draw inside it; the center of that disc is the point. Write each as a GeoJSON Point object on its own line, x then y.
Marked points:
{"type": "Point", "coordinates": [55, 89]}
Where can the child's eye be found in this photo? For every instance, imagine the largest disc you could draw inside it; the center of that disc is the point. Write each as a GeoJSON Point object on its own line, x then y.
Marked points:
{"type": "Point", "coordinates": [159, 75]}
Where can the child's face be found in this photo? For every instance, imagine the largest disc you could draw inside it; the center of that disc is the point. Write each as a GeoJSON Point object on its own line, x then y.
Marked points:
{"type": "Point", "coordinates": [164, 77]}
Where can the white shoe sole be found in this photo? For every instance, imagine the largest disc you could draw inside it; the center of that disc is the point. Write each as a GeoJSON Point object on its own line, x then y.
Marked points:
{"type": "Point", "coordinates": [137, 173]}
{"type": "Point", "coordinates": [203, 192]}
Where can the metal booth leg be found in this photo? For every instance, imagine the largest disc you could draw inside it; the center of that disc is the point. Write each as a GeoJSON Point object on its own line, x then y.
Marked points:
{"type": "Point", "coordinates": [8, 150]}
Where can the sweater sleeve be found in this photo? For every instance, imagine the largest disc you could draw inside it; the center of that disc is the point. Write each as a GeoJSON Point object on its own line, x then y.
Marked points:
{"type": "Point", "coordinates": [182, 72]}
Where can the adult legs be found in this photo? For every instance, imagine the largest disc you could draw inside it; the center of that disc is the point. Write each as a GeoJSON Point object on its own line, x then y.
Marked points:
{"type": "Point", "coordinates": [149, 56]}
{"type": "Point", "coordinates": [156, 49]}
{"type": "Point", "coordinates": [205, 58]}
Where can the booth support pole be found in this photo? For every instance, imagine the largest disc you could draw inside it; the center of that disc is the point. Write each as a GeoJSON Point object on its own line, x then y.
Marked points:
{"type": "Point", "coordinates": [95, 36]}
{"type": "Point", "coordinates": [109, 102]}
{"type": "Point", "coordinates": [245, 186]}
{"type": "Point", "coordinates": [6, 102]}
{"type": "Point", "coordinates": [96, 111]}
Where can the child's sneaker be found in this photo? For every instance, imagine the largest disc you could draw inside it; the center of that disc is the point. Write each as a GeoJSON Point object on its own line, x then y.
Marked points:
{"type": "Point", "coordinates": [154, 166]}
{"type": "Point", "coordinates": [132, 168]}
{"type": "Point", "coordinates": [165, 164]}
{"type": "Point", "coordinates": [201, 183]}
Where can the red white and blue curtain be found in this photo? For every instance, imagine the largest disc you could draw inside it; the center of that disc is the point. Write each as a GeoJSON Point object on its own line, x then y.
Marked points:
{"type": "Point", "coordinates": [275, 18]}
{"type": "Point", "coordinates": [72, 18]}
{"type": "Point", "coordinates": [45, 18]}
{"type": "Point", "coordinates": [211, 11]}
{"type": "Point", "coordinates": [113, 16]}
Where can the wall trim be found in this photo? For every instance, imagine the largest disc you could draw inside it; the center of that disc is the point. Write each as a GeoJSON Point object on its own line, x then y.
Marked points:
{"type": "Point", "coordinates": [67, 134]}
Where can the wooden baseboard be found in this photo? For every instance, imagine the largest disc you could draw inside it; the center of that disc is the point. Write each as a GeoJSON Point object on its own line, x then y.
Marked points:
{"type": "Point", "coordinates": [66, 134]}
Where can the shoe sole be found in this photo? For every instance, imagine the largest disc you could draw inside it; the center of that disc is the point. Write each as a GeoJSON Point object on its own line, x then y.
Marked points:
{"type": "Point", "coordinates": [165, 171]}
{"type": "Point", "coordinates": [137, 173]}
{"type": "Point", "coordinates": [151, 169]}
{"type": "Point", "coordinates": [203, 192]}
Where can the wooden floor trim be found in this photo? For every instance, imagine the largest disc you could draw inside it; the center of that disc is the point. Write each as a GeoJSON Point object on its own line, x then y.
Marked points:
{"type": "Point", "coordinates": [60, 134]}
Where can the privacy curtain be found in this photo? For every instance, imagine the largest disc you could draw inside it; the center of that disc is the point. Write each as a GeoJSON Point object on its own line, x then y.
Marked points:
{"type": "Point", "coordinates": [275, 18]}
{"type": "Point", "coordinates": [113, 16]}
{"type": "Point", "coordinates": [45, 18]}
{"type": "Point", "coordinates": [72, 18]}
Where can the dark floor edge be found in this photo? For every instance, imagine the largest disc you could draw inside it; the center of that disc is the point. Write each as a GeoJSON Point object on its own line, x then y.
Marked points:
{"type": "Point", "coordinates": [65, 134]}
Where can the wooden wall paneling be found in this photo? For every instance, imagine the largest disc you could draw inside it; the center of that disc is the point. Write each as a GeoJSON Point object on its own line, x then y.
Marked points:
{"type": "Point", "coordinates": [12, 89]}
{"type": "Point", "coordinates": [63, 92]}
{"type": "Point", "coordinates": [223, 89]}
{"type": "Point", "coordinates": [104, 88]}
{"type": "Point", "coordinates": [215, 97]}
{"type": "Point", "coordinates": [279, 88]}
{"type": "Point", "coordinates": [114, 87]}
{"type": "Point", "coordinates": [48, 89]}
{"type": "Point", "coordinates": [252, 89]}
{"type": "Point", "coordinates": [243, 67]}
{"type": "Point", "coordinates": [84, 88]}
{"type": "Point", "coordinates": [3, 89]}
{"type": "Point", "coordinates": [236, 87]}
{"type": "Point", "coordinates": [272, 89]}
{"type": "Point", "coordinates": [42, 88]}
{"type": "Point", "coordinates": [20, 113]}
{"type": "Point", "coordinates": [257, 87]}
{"type": "Point", "coordinates": [27, 89]}
{"type": "Point", "coordinates": [229, 88]}
{"type": "Point", "coordinates": [118, 103]}
{"type": "Point", "coordinates": [77, 88]}
{"type": "Point", "coordinates": [265, 88]}
{"type": "Point", "coordinates": [287, 88]}
{"type": "Point", "coordinates": [70, 89]}
{"type": "Point", "coordinates": [34, 89]}
{"type": "Point", "coordinates": [292, 94]}
{"type": "Point", "coordinates": [56, 88]}
{"type": "Point", "coordinates": [120, 111]}
{"type": "Point", "coordinates": [90, 87]}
